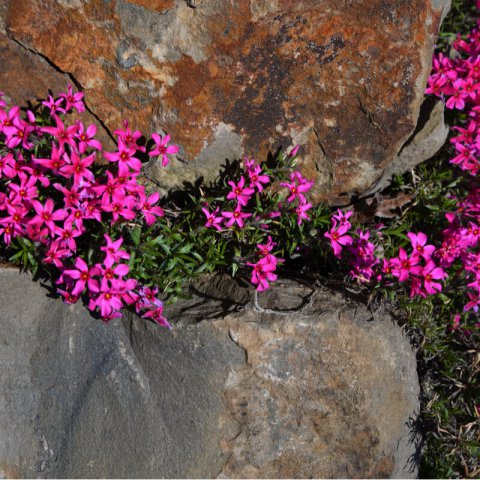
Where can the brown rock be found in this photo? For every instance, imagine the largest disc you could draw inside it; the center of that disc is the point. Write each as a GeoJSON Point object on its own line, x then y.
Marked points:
{"type": "Point", "coordinates": [26, 77]}
{"type": "Point", "coordinates": [345, 79]}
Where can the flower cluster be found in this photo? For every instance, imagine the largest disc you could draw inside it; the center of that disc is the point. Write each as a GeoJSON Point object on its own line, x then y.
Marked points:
{"type": "Point", "coordinates": [418, 269]}
{"type": "Point", "coordinates": [54, 193]}
{"type": "Point", "coordinates": [457, 81]}
{"type": "Point", "coordinates": [240, 211]}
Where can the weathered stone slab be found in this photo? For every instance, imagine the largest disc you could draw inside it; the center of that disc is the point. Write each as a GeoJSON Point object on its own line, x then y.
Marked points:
{"type": "Point", "coordinates": [343, 79]}
{"type": "Point", "coordinates": [328, 390]}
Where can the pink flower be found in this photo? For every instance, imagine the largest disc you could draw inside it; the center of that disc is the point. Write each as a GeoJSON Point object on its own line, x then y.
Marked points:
{"type": "Point", "coordinates": [161, 149]}
{"type": "Point", "coordinates": [54, 105]}
{"type": "Point", "coordinates": [256, 179]}
{"type": "Point", "coordinates": [55, 254]}
{"type": "Point", "coordinates": [266, 248]}
{"type": "Point", "coordinates": [240, 193]}
{"type": "Point", "coordinates": [156, 316]}
{"type": "Point", "coordinates": [457, 99]}
{"type": "Point", "coordinates": [130, 138]}
{"type": "Point", "coordinates": [236, 216]}
{"type": "Point", "coordinates": [297, 186]}
{"type": "Point", "coordinates": [338, 238]}
{"type": "Point", "coordinates": [263, 273]}
{"type": "Point", "coordinates": [121, 206]}
{"type": "Point", "coordinates": [212, 219]}
{"type": "Point", "coordinates": [124, 156]}
{"type": "Point", "coordinates": [431, 272]}
{"type": "Point", "coordinates": [112, 249]}
{"type": "Point", "coordinates": [55, 162]}
{"type": "Point", "coordinates": [418, 242]}
{"type": "Point", "coordinates": [77, 167]}
{"type": "Point", "coordinates": [83, 275]}
{"type": "Point", "coordinates": [86, 137]}
{"type": "Point", "coordinates": [26, 191]}
{"type": "Point", "coordinates": [62, 134]}
{"type": "Point", "coordinates": [404, 266]}
{"type": "Point", "coordinates": [46, 215]}
{"type": "Point", "coordinates": [7, 164]}
{"type": "Point", "coordinates": [146, 206]}
{"type": "Point", "coordinates": [67, 234]}
{"type": "Point", "coordinates": [301, 212]}
{"type": "Point", "coordinates": [18, 134]}
{"type": "Point", "coordinates": [73, 100]}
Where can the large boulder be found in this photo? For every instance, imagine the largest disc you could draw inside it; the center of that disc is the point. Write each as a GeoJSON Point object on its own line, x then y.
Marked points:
{"type": "Point", "coordinates": [316, 386]}
{"type": "Point", "coordinates": [343, 79]}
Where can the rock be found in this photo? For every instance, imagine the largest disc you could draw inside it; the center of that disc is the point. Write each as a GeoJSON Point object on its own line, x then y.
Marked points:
{"type": "Point", "coordinates": [343, 79]}
{"type": "Point", "coordinates": [318, 387]}
{"type": "Point", "coordinates": [427, 139]}
{"type": "Point", "coordinates": [27, 77]}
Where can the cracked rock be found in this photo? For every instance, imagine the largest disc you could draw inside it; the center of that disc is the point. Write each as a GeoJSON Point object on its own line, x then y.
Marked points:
{"type": "Point", "coordinates": [226, 79]}
{"type": "Point", "coordinates": [327, 390]}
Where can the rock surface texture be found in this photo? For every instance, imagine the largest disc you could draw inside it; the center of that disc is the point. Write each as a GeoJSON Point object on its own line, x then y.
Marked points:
{"type": "Point", "coordinates": [320, 387]}
{"type": "Point", "coordinates": [227, 78]}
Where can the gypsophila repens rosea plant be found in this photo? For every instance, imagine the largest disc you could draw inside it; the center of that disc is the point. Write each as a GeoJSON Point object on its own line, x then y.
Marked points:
{"type": "Point", "coordinates": [449, 263]}
{"type": "Point", "coordinates": [83, 215]}
{"type": "Point", "coordinates": [62, 209]}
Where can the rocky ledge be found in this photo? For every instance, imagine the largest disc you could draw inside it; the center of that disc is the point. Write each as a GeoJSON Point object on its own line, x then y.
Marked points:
{"type": "Point", "coordinates": [299, 382]}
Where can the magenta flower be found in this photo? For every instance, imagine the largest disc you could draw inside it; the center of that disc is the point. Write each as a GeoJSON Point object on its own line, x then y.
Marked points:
{"type": "Point", "coordinates": [262, 273]}
{"type": "Point", "coordinates": [8, 232]}
{"type": "Point", "coordinates": [86, 138]}
{"type": "Point", "coordinates": [212, 219]}
{"type": "Point", "coordinates": [236, 216]}
{"type": "Point", "coordinates": [46, 215]}
{"type": "Point", "coordinates": [337, 237]}
{"type": "Point", "coordinates": [403, 266]}
{"type": "Point", "coordinates": [430, 273]}
{"type": "Point", "coordinates": [301, 212]}
{"type": "Point", "coordinates": [147, 298]}
{"type": "Point", "coordinates": [55, 162]}
{"type": "Point", "coordinates": [124, 156]}
{"type": "Point", "coordinates": [54, 106]}
{"type": "Point", "coordinates": [267, 247]}
{"type": "Point", "coordinates": [130, 138]}
{"type": "Point", "coordinates": [18, 134]}
{"type": "Point", "coordinates": [7, 119]}
{"type": "Point", "coordinates": [419, 246]}
{"type": "Point", "coordinates": [55, 254]}
{"type": "Point", "coordinates": [62, 134]}
{"type": "Point", "coordinates": [26, 191]}
{"type": "Point", "coordinates": [109, 303]}
{"type": "Point", "coordinates": [121, 206]}
{"type": "Point", "coordinates": [78, 167]}
{"type": "Point", "coordinates": [161, 149]}
{"type": "Point", "coordinates": [474, 302]}
{"type": "Point", "coordinates": [7, 164]}
{"type": "Point", "coordinates": [83, 276]}
{"type": "Point", "coordinates": [256, 179]}
{"type": "Point", "coordinates": [67, 234]}
{"type": "Point", "coordinates": [148, 208]}
{"type": "Point", "coordinates": [240, 193]}
{"type": "Point", "coordinates": [156, 315]}
{"type": "Point", "coordinates": [297, 186]}
{"type": "Point", "coordinates": [436, 85]}
{"type": "Point", "coordinates": [457, 99]}
{"type": "Point", "coordinates": [112, 249]}
{"type": "Point", "coordinates": [73, 100]}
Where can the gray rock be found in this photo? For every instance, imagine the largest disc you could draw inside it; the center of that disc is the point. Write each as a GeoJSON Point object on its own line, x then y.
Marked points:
{"type": "Point", "coordinates": [314, 387]}
{"type": "Point", "coordinates": [427, 139]}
